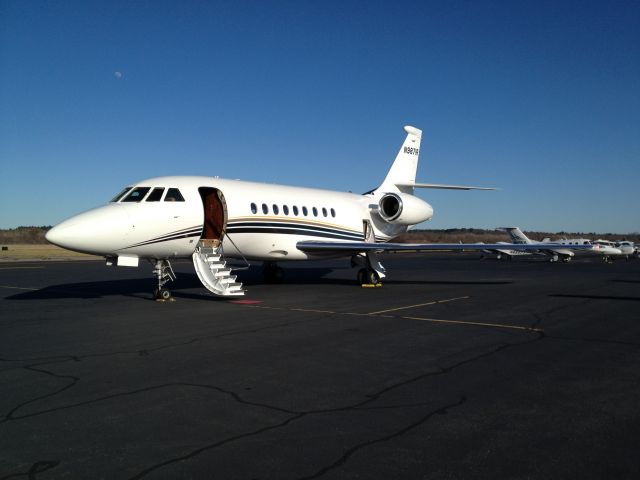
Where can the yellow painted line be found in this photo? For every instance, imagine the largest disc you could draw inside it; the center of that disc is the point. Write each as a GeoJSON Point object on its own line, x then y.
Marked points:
{"type": "Point", "coordinates": [422, 319]}
{"type": "Point", "coordinates": [365, 315]}
{"type": "Point", "coordinates": [309, 310]}
{"type": "Point", "coordinates": [477, 324]}
{"type": "Point", "coordinates": [419, 305]}
{"type": "Point", "coordinates": [18, 288]}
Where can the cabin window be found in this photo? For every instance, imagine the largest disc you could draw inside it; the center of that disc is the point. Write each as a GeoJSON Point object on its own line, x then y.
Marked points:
{"type": "Point", "coordinates": [333, 213]}
{"type": "Point", "coordinates": [276, 210]}
{"type": "Point", "coordinates": [295, 210]}
{"type": "Point", "coordinates": [155, 195]}
{"type": "Point", "coordinates": [315, 211]}
{"type": "Point", "coordinates": [324, 212]}
{"type": "Point", "coordinates": [174, 195]}
{"type": "Point", "coordinates": [285, 209]}
{"type": "Point", "coordinates": [121, 194]}
{"type": "Point", "coordinates": [265, 209]}
{"type": "Point", "coordinates": [137, 194]}
{"type": "Point", "coordinates": [254, 208]}
{"type": "Point", "coordinates": [305, 212]}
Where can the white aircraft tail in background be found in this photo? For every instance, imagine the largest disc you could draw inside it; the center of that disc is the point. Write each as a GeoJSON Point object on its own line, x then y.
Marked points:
{"type": "Point", "coordinates": [555, 253]}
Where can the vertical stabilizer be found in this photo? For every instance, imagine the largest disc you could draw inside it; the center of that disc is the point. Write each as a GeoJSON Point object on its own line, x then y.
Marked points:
{"type": "Point", "coordinates": [403, 170]}
{"type": "Point", "coordinates": [516, 235]}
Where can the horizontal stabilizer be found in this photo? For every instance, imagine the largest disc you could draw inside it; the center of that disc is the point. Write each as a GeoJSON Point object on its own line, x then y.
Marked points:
{"type": "Point", "coordinates": [443, 187]}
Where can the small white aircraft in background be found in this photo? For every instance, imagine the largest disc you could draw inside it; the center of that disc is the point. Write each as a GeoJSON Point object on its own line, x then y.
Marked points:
{"type": "Point", "coordinates": [555, 250]}
{"type": "Point", "coordinates": [211, 219]}
{"type": "Point", "coordinates": [501, 253]}
{"type": "Point", "coordinates": [627, 248]}
{"type": "Point", "coordinates": [608, 250]}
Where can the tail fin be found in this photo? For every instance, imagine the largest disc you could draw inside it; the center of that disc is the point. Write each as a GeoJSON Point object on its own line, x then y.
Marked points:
{"type": "Point", "coordinates": [403, 170]}
{"type": "Point", "coordinates": [516, 235]}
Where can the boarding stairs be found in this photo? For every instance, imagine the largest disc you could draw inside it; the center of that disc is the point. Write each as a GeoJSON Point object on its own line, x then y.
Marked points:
{"type": "Point", "coordinates": [212, 271]}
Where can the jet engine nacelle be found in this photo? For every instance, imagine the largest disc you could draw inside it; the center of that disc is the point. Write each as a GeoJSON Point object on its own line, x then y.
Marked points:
{"type": "Point", "coordinates": [404, 209]}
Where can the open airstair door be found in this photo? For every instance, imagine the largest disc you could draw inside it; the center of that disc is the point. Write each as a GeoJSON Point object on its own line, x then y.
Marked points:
{"type": "Point", "coordinates": [208, 258]}
{"type": "Point", "coordinates": [215, 213]}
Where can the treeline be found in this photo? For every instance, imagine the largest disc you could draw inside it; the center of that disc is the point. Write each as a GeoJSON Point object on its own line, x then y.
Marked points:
{"type": "Point", "coordinates": [24, 235]}
{"type": "Point", "coordinates": [35, 235]}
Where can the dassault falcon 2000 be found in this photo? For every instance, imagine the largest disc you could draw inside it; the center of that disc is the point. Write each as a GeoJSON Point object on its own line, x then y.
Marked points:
{"type": "Point", "coordinates": [213, 219]}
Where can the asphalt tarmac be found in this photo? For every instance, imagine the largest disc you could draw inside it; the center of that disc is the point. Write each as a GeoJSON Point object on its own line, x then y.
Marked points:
{"type": "Point", "coordinates": [455, 369]}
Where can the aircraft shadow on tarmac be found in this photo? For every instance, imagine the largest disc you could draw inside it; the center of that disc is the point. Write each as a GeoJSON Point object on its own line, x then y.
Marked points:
{"type": "Point", "coordinates": [596, 297]}
{"type": "Point", "coordinates": [143, 287]}
{"type": "Point", "coordinates": [137, 287]}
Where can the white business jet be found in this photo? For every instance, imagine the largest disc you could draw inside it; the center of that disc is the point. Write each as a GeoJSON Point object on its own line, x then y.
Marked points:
{"type": "Point", "coordinates": [554, 250]}
{"type": "Point", "coordinates": [504, 253]}
{"type": "Point", "coordinates": [627, 248]}
{"type": "Point", "coordinates": [607, 249]}
{"type": "Point", "coordinates": [211, 220]}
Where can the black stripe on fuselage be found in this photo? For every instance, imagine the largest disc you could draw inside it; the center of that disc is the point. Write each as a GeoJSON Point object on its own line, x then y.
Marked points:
{"type": "Point", "coordinates": [302, 229]}
{"type": "Point", "coordinates": [186, 233]}
{"type": "Point", "coordinates": [289, 228]}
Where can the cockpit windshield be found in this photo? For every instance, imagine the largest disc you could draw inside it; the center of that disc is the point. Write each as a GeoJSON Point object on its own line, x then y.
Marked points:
{"type": "Point", "coordinates": [137, 194]}
{"type": "Point", "coordinates": [155, 195]}
{"type": "Point", "coordinates": [121, 194]}
{"type": "Point", "coordinates": [173, 195]}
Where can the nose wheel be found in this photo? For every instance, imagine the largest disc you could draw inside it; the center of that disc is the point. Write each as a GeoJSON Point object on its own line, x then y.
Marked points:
{"type": "Point", "coordinates": [164, 273]}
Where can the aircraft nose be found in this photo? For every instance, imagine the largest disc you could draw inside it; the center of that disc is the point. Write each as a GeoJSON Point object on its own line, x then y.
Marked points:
{"type": "Point", "coordinates": [99, 231]}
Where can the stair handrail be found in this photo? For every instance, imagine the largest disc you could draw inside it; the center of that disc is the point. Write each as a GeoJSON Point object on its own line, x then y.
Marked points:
{"type": "Point", "coordinates": [248, 265]}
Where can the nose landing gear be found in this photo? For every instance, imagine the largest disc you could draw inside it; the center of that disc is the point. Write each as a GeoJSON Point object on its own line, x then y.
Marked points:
{"type": "Point", "coordinates": [164, 273]}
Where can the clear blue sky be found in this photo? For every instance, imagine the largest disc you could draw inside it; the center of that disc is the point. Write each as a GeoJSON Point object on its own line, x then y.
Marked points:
{"type": "Point", "coordinates": [541, 99]}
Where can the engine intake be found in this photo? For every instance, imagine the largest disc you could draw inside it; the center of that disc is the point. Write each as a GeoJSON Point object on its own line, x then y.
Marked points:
{"type": "Point", "coordinates": [404, 209]}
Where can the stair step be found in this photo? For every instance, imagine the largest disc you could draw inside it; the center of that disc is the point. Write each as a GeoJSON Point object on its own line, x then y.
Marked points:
{"type": "Point", "coordinates": [213, 272]}
{"type": "Point", "coordinates": [227, 280]}
{"type": "Point", "coordinates": [234, 294]}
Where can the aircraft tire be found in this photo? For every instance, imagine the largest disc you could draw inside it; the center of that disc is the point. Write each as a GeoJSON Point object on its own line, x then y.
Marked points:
{"type": "Point", "coordinates": [366, 276]}
{"type": "Point", "coordinates": [362, 276]}
{"type": "Point", "coordinates": [164, 294]}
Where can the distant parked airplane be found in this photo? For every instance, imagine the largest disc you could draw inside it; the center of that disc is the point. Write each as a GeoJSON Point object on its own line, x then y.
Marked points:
{"type": "Point", "coordinates": [609, 250]}
{"type": "Point", "coordinates": [555, 250]}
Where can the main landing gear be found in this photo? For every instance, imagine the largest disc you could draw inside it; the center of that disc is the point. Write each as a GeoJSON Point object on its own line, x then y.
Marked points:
{"type": "Point", "coordinates": [367, 276]}
{"type": "Point", "coordinates": [371, 271]}
{"type": "Point", "coordinates": [164, 273]}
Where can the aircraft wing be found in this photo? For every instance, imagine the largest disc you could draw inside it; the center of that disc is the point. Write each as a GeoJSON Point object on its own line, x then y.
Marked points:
{"type": "Point", "coordinates": [359, 247]}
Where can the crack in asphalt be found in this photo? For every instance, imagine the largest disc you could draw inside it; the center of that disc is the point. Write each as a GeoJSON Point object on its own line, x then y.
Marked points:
{"type": "Point", "coordinates": [38, 467]}
{"type": "Point", "coordinates": [295, 415]}
{"type": "Point", "coordinates": [351, 451]}
{"type": "Point", "coordinates": [357, 406]}
{"type": "Point", "coordinates": [74, 380]}
{"type": "Point", "coordinates": [143, 351]}
{"type": "Point", "coordinates": [77, 358]}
